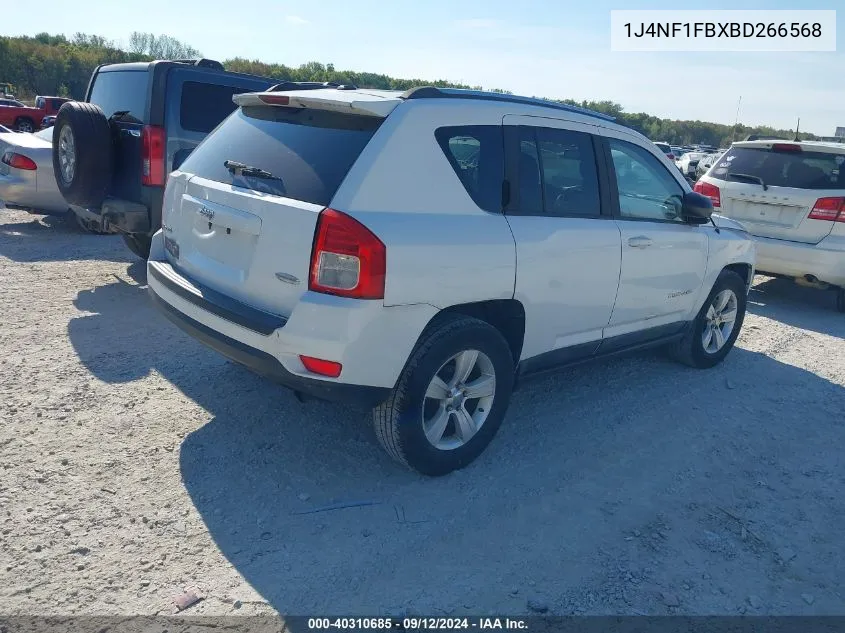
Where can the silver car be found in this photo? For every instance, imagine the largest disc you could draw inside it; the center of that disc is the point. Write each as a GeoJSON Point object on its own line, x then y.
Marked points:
{"type": "Point", "coordinates": [26, 172]}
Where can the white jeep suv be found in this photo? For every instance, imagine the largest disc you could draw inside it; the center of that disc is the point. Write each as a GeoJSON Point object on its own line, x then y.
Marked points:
{"type": "Point", "coordinates": [420, 252]}
{"type": "Point", "coordinates": [791, 197]}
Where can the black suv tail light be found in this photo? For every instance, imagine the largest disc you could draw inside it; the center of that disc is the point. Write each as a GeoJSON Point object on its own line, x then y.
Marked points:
{"type": "Point", "coordinates": [152, 156]}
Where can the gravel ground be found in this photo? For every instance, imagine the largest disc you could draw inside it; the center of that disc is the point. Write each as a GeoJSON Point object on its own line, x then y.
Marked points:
{"type": "Point", "coordinates": [136, 464]}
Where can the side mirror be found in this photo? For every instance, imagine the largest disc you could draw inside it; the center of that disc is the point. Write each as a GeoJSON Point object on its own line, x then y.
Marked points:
{"type": "Point", "coordinates": [696, 208]}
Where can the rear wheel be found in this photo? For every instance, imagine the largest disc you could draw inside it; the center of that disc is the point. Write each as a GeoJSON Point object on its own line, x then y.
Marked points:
{"type": "Point", "coordinates": [717, 325]}
{"type": "Point", "coordinates": [450, 399]}
{"type": "Point", "coordinates": [138, 243]}
{"type": "Point", "coordinates": [25, 125]}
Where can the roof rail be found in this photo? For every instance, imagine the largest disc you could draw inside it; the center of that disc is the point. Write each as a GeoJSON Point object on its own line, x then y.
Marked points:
{"type": "Point", "coordinates": [201, 62]}
{"type": "Point", "coordinates": [310, 85]}
{"type": "Point", "coordinates": [432, 92]}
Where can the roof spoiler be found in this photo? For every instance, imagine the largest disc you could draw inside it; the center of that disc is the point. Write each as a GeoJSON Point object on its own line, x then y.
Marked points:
{"type": "Point", "coordinates": [349, 103]}
{"type": "Point", "coordinates": [433, 92]}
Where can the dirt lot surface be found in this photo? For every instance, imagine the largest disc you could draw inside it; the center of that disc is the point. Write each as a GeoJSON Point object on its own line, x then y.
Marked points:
{"type": "Point", "coordinates": [135, 463]}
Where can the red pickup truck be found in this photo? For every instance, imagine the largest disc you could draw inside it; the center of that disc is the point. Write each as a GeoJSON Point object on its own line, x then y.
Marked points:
{"type": "Point", "coordinates": [27, 119]}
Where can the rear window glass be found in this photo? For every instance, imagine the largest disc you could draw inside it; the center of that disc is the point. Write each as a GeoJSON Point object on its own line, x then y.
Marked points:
{"type": "Point", "coordinates": [800, 170]}
{"type": "Point", "coordinates": [204, 106]}
{"type": "Point", "coordinates": [663, 148]}
{"type": "Point", "coordinates": [121, 91]}
{"type": "Point", "coordinates": [476, 154]}
{"type": "Point", "coordinates": [307, 152]}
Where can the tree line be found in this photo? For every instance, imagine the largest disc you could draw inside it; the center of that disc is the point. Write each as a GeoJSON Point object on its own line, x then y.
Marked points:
{"type": "Point", "coordinates": [58, 65]}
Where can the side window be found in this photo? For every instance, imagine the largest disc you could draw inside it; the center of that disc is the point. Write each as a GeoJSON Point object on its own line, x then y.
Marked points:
{"type": "Point", "coordinates": [557, 173]}
{"type": "Point", "coordinates": [204, 106]}
{"type": "Point", "coordinates": [647, 190]}
{"type": "Point", "coordinates": [476, 155]}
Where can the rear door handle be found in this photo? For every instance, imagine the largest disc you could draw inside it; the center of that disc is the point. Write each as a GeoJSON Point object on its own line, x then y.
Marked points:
{"type": "Point", "coordinates": [641, 241]}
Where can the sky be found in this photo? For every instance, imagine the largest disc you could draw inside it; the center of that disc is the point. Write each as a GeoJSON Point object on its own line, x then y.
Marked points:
{"type": "Point", "coordinates": [556, 49]}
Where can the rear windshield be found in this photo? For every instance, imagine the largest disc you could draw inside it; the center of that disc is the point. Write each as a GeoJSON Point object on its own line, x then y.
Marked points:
{"type": "Point", "coordinates": [121, 91]}
{"type": "Point", "coordinates": [307, 152]}
{"type": "Point", "coordinates": [663, 148]}
{"type": "Point", "coordinates": [800, 170]}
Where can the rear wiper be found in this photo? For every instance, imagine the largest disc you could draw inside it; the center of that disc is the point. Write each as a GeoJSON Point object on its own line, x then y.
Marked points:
{"type": "Point", "coordinates": [750, 177]}
{"type": "Point", "coordinates": [240, 169]}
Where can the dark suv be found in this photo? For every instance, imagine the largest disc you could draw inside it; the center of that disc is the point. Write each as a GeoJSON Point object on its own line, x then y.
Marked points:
{"type": "Point", "coordinates": [112, 153]}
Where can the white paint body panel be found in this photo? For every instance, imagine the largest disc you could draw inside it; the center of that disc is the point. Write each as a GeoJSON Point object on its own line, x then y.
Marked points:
{"type": "Point", "coordinates": [442, 251]}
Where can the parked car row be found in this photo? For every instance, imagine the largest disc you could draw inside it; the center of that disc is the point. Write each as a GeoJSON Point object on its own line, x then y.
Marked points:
{"type": "Point", "coordinates": [419, 253]}
{"type": "Point", "coordinates": [309, 235]}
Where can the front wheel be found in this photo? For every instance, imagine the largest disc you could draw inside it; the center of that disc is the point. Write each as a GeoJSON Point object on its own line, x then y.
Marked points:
{"type": "Point", "coordinates": [450, 399]}
{"type": "Point", "coordinates": [717, 325]}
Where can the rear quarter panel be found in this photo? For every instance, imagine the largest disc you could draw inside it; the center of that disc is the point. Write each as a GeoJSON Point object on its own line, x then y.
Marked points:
{"type": "Point", "coordinates": [442, 249]}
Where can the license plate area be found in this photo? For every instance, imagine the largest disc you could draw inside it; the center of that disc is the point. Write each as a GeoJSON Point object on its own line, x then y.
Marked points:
{"type": "Point", "coordinates": [223, 235]}
{"type": "Point", "coordinates": [783, 216]}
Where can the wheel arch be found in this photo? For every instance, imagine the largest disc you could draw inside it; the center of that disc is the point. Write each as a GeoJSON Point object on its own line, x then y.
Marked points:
{"type": "Point", "coordinates": [506, 315]}
{"type": "Point", "coordinates": [744, 270]}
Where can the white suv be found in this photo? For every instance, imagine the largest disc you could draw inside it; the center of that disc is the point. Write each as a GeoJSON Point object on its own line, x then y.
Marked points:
{"type": "Point", "coordinates": [420, 252]}
{"type": "Point", "coordinates": [791, 197]}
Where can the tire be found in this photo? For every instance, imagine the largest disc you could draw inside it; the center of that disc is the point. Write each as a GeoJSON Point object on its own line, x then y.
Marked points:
{"type": "Point", "coordinates": [24, 124]}
{"type": "Point", "coordinates": [139, 244]}
{"type": "Point", "coordinates": [399, 420]}
{"type": "Point", "coordinates": [691, 349]}
{"type": "Point", "coordinates": [83, 152]}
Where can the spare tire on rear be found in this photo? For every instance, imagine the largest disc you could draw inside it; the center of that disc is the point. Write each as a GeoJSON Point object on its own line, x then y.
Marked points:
{"type": "Point", "coordinates": [82, 153]}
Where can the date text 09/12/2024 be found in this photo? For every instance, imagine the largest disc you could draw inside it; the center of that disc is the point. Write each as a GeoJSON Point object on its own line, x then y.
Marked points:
{"type": "Point", "coordinates": [417, 624]}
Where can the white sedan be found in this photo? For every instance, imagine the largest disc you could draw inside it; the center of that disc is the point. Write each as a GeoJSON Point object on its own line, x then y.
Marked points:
{"type": "Point", "coordinates": [689, 162]}
{"type": "Point", "coordinates": [26, 172]}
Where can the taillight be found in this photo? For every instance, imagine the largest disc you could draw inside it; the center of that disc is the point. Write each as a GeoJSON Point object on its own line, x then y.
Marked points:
{"type": "Point", "coordinates": [323, 367]}
{"type": "Point", "coordinates": [830, 209]}
{"type": "Point", "coordinates": [19, 161]}
{"type": "Point", "coordinates": [670, 156]}
{"type": "Point", "coordinates": [152, 156]}
{"type": "Point", "coordinates": [711, 191]}
{"type": "Point", "coordinates": [786, 147]}
{"type": "Point", "coordinates": [275, 99]}
{"type": "Point", "coordinates": [347, 259]}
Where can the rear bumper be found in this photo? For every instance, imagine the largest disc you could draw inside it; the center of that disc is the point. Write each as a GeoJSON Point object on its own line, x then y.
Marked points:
{"type": "Point", "coordinates": [372, 342]}
{"type": "Point", "coordinates": [825, 260]}
{"type": "Point", "coordinates": [267, 365]}
{"type": "Point", "coordinates": [119, 215]}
